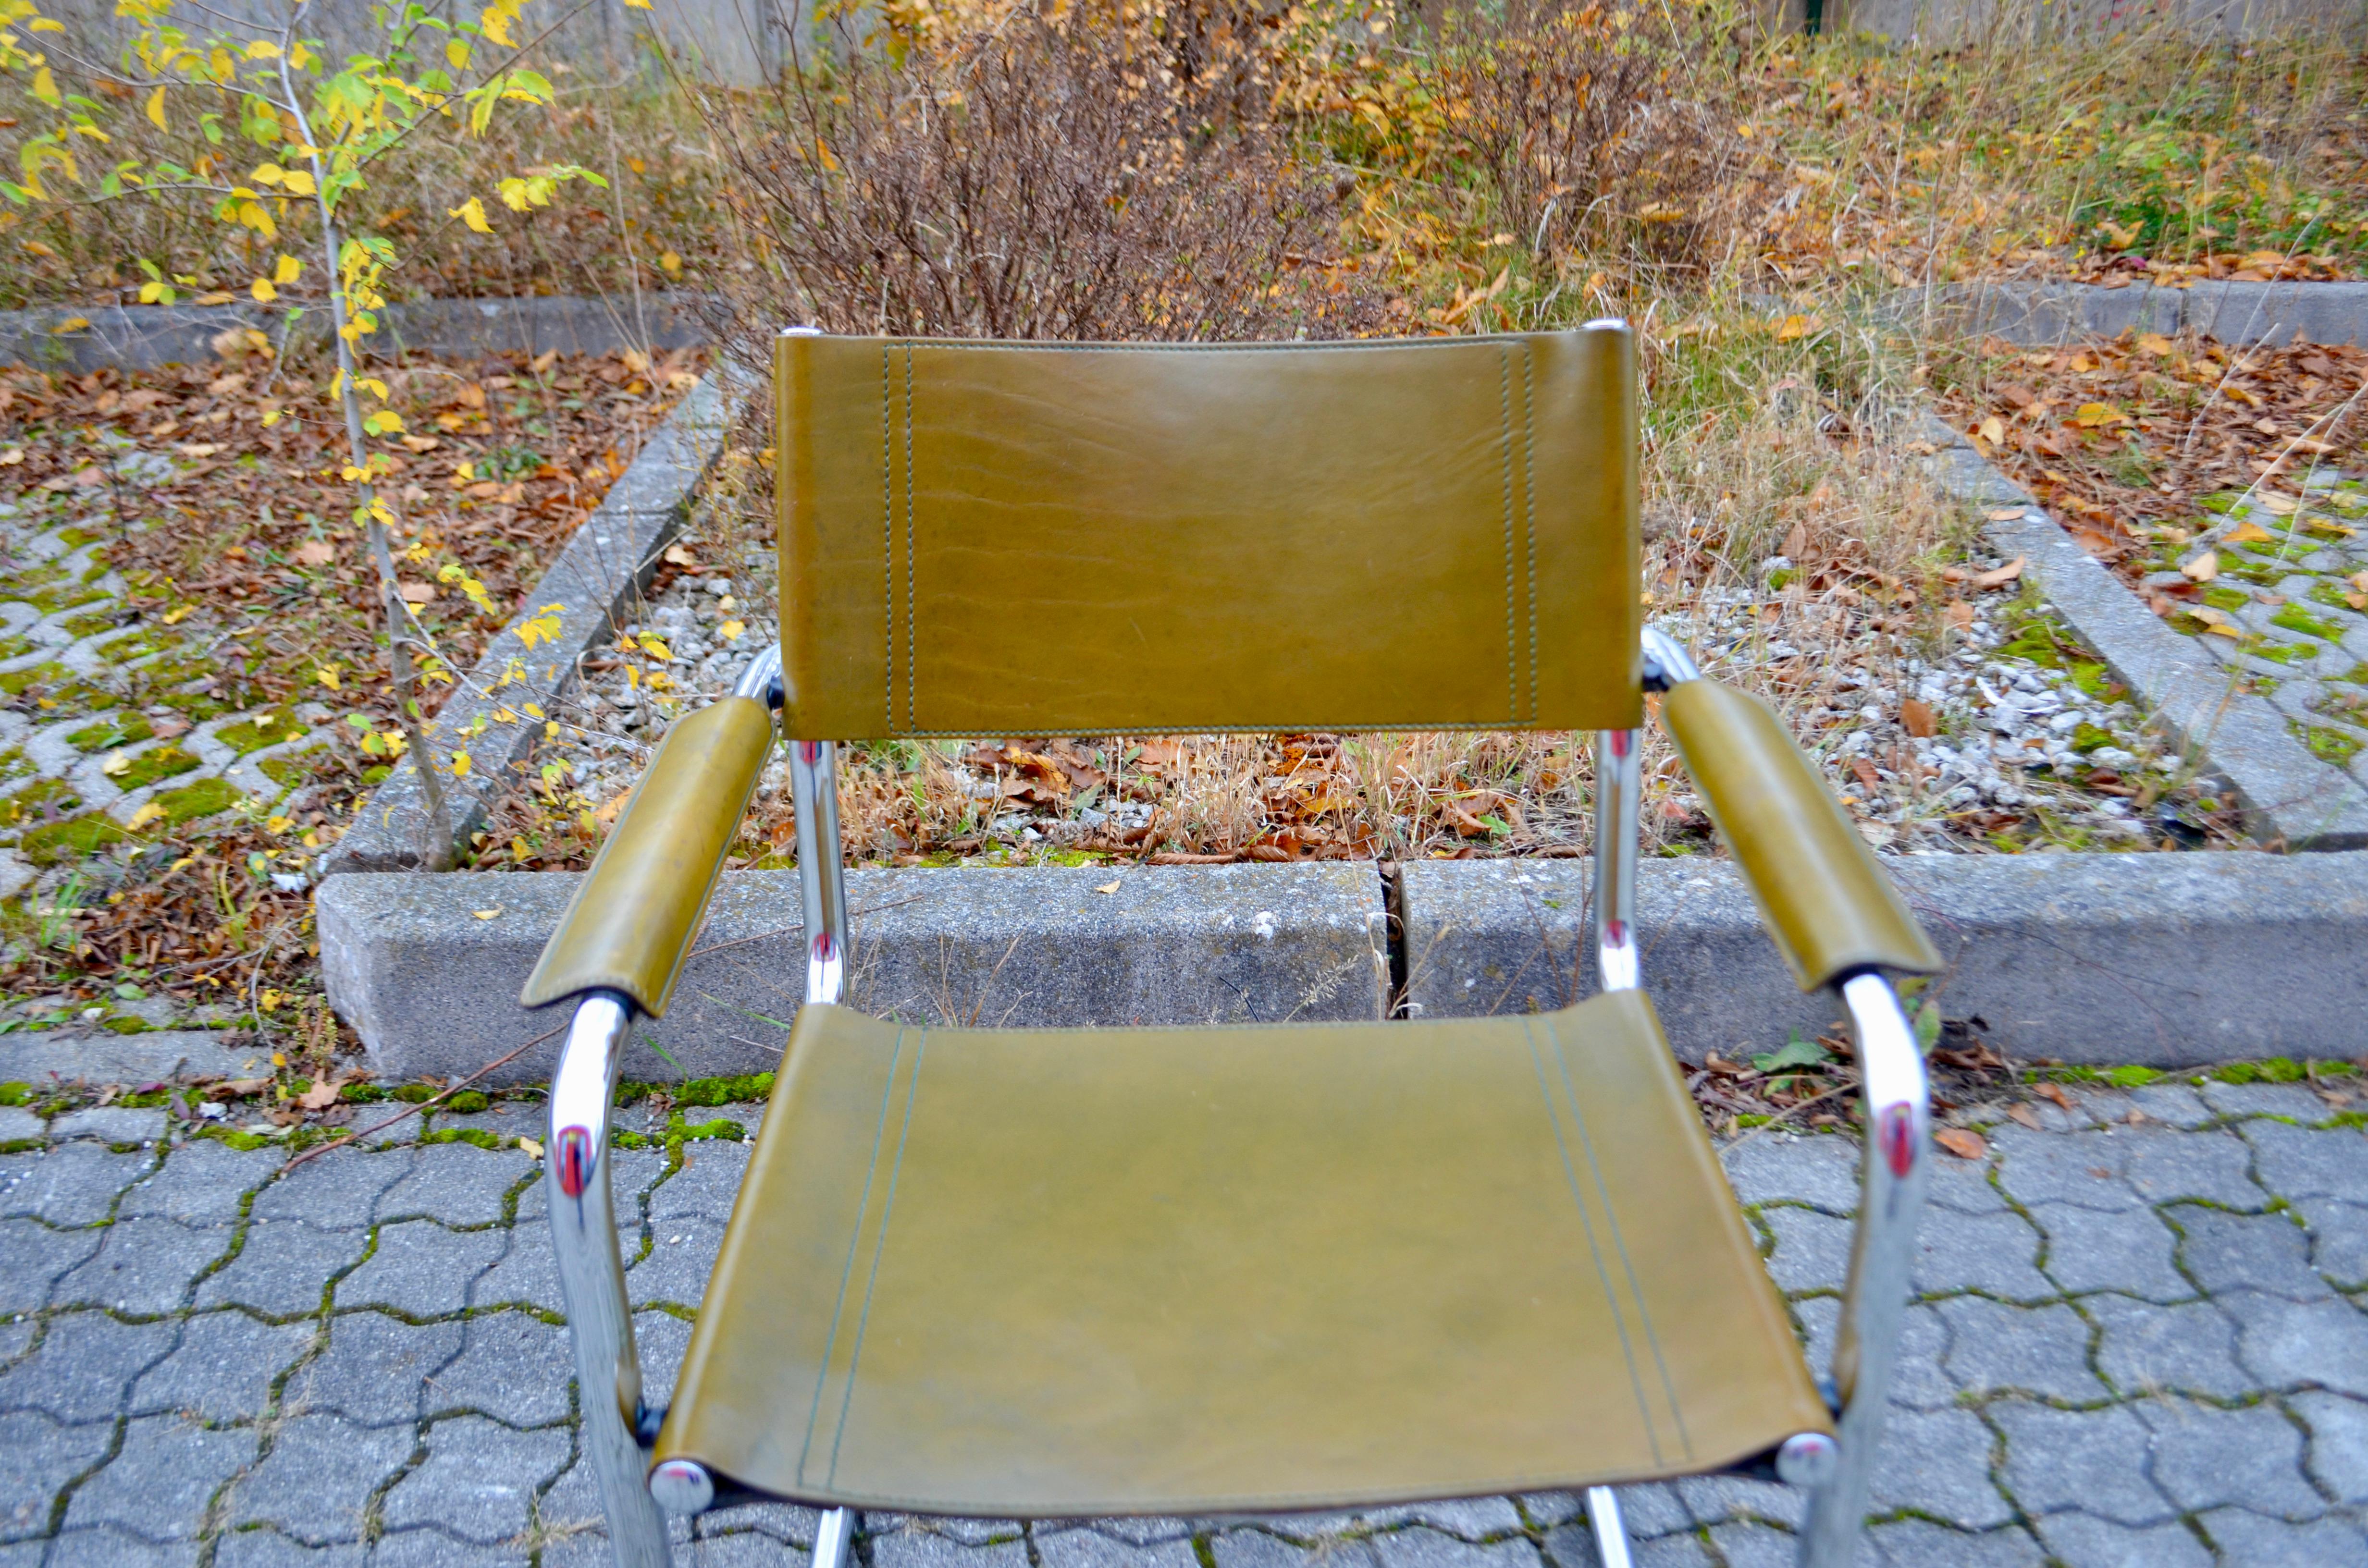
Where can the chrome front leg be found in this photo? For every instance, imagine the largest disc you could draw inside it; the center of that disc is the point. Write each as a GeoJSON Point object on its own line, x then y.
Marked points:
{"type": "Point", "coordinates": [1619, 793]}
{"type": "Point", "coordinates": [1883, 1261]}
{"type": "Point", "coordinates": [592, 1279]}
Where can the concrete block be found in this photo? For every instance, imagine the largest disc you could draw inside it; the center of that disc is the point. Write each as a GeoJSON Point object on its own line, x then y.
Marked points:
{"type": "Point", "coordinates": [2278, 312]}
{"type": "Point", "coordinates": [157, 1056]}
{"type": "Point", "coordinates": [431, 988]}
{"type": "Point", "coordinates": [2165, 959]}
{"type": "Point", "coordinates": [605, 567]}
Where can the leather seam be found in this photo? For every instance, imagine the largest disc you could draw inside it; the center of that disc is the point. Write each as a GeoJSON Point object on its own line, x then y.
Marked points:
{"type": "Point", "coordinates": [888, 534]}
{"type": "Point", "coordinates": [879, 1249]}
{"type": "Point", "coordinates": [1475, 342]}
{"type": "Point", "coordinates": [1530, 505]}
{"type": "Point", "coordinates": [912, 635]}
{"type": "Point", "coordinates": [1512, 659]}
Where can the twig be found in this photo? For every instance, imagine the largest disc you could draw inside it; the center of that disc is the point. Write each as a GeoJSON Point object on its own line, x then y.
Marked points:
{"type": "Point", "coordinates": [424, 1105]}
{"type": "Point", "coordinates": [1786, 1114]}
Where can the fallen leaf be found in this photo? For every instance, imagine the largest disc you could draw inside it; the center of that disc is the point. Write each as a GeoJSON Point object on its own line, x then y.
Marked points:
{"type": "Point", "coordinates": [2025, 1115]}
{"type": "Point", "coordinates": [1962, 1141]}
{"type": "Point", "coordinates": [116, 764]}
{"type": "Point", "coordinates": [422, 443]}
{"type": "Point", "coordinates": [533, 1148]}
{"type": "Point", "coordinates": [2279, 506]}
{"type": "Point", "coordinates": [2202, 569]}
{"type": "Point", "coordinates": [316, 553]}
{"type": "Point", "coordinates": [1108, 887]}
{"type": "Point", "coordinates": [1916, 717]}
{"type": "Point", "coordinates": [1960, 615]}
{"type": "Point", "coordinates": [419, 592]}
{"type": "Point", "coordinates": [2007, 514]}
{"type": "Point", "coordinates": [1992, 431]}
{"type": "Point", "coordinates": [1796, 542]}
{"type": "Point", "coordinates": [1864, 772]}
{"type": "Point", "coordinates": [2056, 1092]}
{"type": "Point", "coordinates": [681, 556]}
{"type": "Point", "coordinates": [2250, 532]}
{"type": "Point", "coordinates": [2002, 576]}
{"type": "Point", "coordinates": [487, 913]}
{"type": "Point", "coordinates": [321, 1095]}
{"type": "Point", "coordinates": [2091, 415]}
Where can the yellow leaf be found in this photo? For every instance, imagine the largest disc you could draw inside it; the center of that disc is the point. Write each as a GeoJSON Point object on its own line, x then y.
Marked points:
{"type": "Point", "coordinates": [655, 647]}
{"type": "Point", "coordinates": [147, 814]}
{"type": "Point", "coordinates": [2203, 568]}
{"type": "Point", "coordinates": [551, 729]}
{"type": "Point", "coordinates": [2153, 343]}
{"type": "Point", "coordinates": [287, 270]}
{"type": "Point", "coordinates": [2250, 532]}
{"type": "Point", "coordinates": [156, 109]}
{"type": "Point", "coordinates": [472, 212]}
{"type": "Point", "coordinates": [461, 765]}
{"type": "Point", "coordinates": [532, 710]}
{"type": "Point", "coordinates": [268, 1001]}
{"type": "Point", "coordinates": [262, 49]}
{"type": "Point", "coordinates": [327, 677]}
{"type": "Point", "coordinates": [2279, 506]}
{"type": "Point", "coordinates": [671, 262]}
{"type": "Point", "coordinates": [174, 617]}
{"type": "Point", "coordinates": [487, 913]}
{"type": "Point", "coordinates": [732, 630]}
{"type": "Point", "coordinates": [278, 823]}
{"type": "Point", "coordinates": [1993, 430]}
{"type": "Point", "coordinates": [533, 1150]}
{"type": "Point", "coordinates": [262, 291]}
{"type": "Point", "coordinates": [268, 174]}
{"type": "Point", "coordinates": [45, 87]}
{"type": "Point", "coordinates": [116, 766]}
{"type": "Point", "coordinates": [2093, 414]}
{"type": "Point", "coordinates": [298, 182]}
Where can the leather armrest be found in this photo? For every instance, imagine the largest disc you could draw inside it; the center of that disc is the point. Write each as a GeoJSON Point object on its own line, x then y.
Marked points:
{"type": "Point", "coordinates": [1824, 899]}
{"type": "Point", "coordinates": [630, 923]}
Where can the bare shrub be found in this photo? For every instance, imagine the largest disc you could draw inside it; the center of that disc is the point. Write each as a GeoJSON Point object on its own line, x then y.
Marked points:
{"type": "Point", "coordinates": [1034, 175]}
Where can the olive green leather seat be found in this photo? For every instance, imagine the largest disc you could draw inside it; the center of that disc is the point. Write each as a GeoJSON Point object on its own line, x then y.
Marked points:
{"type": "Point", "coordinates": [1202, 1270]}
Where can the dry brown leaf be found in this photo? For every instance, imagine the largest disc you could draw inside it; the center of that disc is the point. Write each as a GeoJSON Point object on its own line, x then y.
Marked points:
{"type": "Point", "coordinates": [2202, 569]}
{"type": "Point", "coordinates": [2025, 1115]}
{"type": "Point", "coordinates": [2056, 1092]}
{"type": "Point", "coordinates": [1959, 614]}
{"type": "Point", "coordinates": [1962, 1141]}
{"type": "Point", "coordinates": [316, 553]}
{"type": "Point", "coordinates": [2002, 576]}
{"type": "Point", "coordinates": [321, 1095]}
{"type": "Point", "coordinates": [1916, 717]}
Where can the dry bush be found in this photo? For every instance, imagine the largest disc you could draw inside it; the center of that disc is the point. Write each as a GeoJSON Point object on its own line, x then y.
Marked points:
{"type": "Point", "coordinates": [1596, 130]}
{"type": "Point", "coordinates": [1034, 176]}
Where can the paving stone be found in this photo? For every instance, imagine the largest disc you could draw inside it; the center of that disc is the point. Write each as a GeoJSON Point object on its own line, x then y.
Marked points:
{"type": "Point", "coordinates": [2145, 1349]}
{"type": "Point", "coordinates": [2286, 1343]}
{"type": "Point", "coordinates": [1712, 1499]}
{"type": "Point", "coordinates": [158, 1484]}
{"type": "Point", "coordinates": [1997, 1253]}
{"type": "Point", "coordinates": [427, 1547]}
{"type": "Point", "coordinates": [1820, 1172]}
{"type": "Point", "coordinates": [73, 1184]}
{"type": "Point", "coordinates": [459, 1184]}
{"type": "Point", "coordinates": [662, 1339]}
{"type": "Point", "coordinates": [963, 1531]}
{"type": "Point", "coordinates": [1962, 1186]}
{"type": "Point", "coordinates": [269, 1549]}
{"type": "Point", "coordinates": [1937, 1463]}
{"type": "Point", "coordinates": [282, 1267]}
{"type": "Point", "coordinates": [85, 1367]}
{"type": "Point", "coordinates": [2080, 1168]}
{"type": "Point", "coordinates": [1573, 1546]}
{"type": "Point", "coordinates": [2339, 1442]}
{"type": "Point", "coordinates": [223, 1369]}
{"type": "Point", "coordinates": [745, 1548]}
{"type": "Point", "coordinates": [201, 1182]}
{"type": "Point", "coordinates": [1918, 1382]}
{"type": "Point", "coordinates": [512, 1367]}
{"type": "Point", "coordinates": [144, 1266]}
{"type": "Point", "coordinates": [527, 1274]}
{"type": "Point", "coordinates": [2339, 1239]}
{"type": "Point", "coordinates": [2295, 1162]}
{"type": "Point", "coordinates": [2264, 1099]}
{"type": "Point", "coordinates": [421, 1269]}
{"type": "Point", "coordinates": [374, 1369]}
{"type": "Point", "coordinates": [1915, 1543]}
{"type": "Point", "coordinates": [1547, 1509]}
{"type": "Point", "coordinates": [781, 1521]}
{"type": "Point", "coordinates": [2249, 1458]}
{"type": "Point", "coordinates": [110, 1124]}
{"type": "Point", "coordinates": [1997, 1348]}
{"type": "Point", "coordinates": [479, 1481]}
{"type": "Point", "coordinates": [336, 1191]}
{"type": "Point", "coordinates": [2083, 1540]}
{"type": "Point", "coordinates": [2259, 1252]}
{"type": "Point", "coordinates": [705, 1186]}
{"type": "Point", "coordinates": [1753, 1546]}
{"type": "Point", "coordinates": [1812, 1249]}
{"type": "Point", "coordinates": [1647, 1511]}
{"type": "Point", "coordinates": [682, 1256]}
{"type": "Point", "coordinates": [1091, 1549]}
{"type": "Point", "coordinates": [316, 1483]}
{"type": "Point", "coordinates": [2128, 1250]}
{"type": "Point", "coordinates": [911, 1547]}
{"type": "Point", "coordinates": [2177, 1104]}
{"type": "Point", "coordinates": [2092, 1461]}
{"type": "Point", "coordinates": [38, 1457]}
{"type": "Point", "coordinates": [1240, 1548]}
{"type": "Point", "coordinates": [2215, 1166]}
{"type": "Point", "coordinates": [2253, 1540]}
{"type": "Point", "coordinates": [1420, 1546]}
{"type": "Point", "coordinates": [1149, 1530]}
{"type": "Point", "coordinates": [105, 1545]}
{"type": "Point", "coordinates": [33, 1257]}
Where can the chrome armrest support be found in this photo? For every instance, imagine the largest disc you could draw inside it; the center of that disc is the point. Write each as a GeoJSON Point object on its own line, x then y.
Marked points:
{"type": "Point", "coordinates": [592, 1278]}
{"type": "Point", "coordinates": [1618, 798]}
{"type": "Point", "coordinates": [1898, 1097]}
{"type": "Point", "coordinates": [822, 878]}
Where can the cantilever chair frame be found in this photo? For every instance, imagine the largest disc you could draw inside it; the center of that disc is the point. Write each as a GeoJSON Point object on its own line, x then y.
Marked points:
{"type": "Point", "coordinates": [620, 1426]}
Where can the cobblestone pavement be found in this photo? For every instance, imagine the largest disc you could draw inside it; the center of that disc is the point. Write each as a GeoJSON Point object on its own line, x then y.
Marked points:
{"type": "Point", "coordinates": [2140, 1341]}
{"type": "Point", "coordinates": [2285, 608]}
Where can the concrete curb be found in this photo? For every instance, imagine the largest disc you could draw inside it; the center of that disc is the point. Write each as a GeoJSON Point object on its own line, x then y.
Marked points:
{"type": "Point", "coordinates": [2287, 795]}
{"type": "Point", "coordinates": [2168, 961]}
{"type": "Point", "coordinates": [142, 337]}
{"type": "Point", "coordinates": [610, 560]}
{"type": "Point", "coordinates": [32, 1056]}
{"type": "Point", "coordinates": [2034, 314]}
{"type": "Point", "coordinates": [1042, 947]}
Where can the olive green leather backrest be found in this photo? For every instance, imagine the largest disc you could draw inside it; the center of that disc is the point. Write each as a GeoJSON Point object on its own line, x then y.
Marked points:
{"type": "Point", "coordinates": [1088, 539]}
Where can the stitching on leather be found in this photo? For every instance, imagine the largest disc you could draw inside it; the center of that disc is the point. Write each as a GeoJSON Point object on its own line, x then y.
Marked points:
{"type": "Point", "coordinates": [1530, 501]}
{"type": "Point", "coordinates": [1289, 727]}
{"type": "Point", "coordinates": [911, 640]}
{"type": "Point", "coordinates": [888, 536]}
{"type": "Point", "coordinates": [1512, 660]}
{"type": "Point", "coordinates": [1620, 1244]}
{"type": "Point", "coordinates": [879, 1246]}
{"type": "Point", "coordinates": [1594, 1248]}
{"type": "Point", "coordinates": [854, 1245]}
{"type": "Point", "coordinates": [1473, 342]}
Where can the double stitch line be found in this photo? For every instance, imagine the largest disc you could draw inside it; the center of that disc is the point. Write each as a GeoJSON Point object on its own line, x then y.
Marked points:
{"type": "Point", "coordinates": [1512, 657]}
{"type": "Point", "coordinates": [879, 1246]}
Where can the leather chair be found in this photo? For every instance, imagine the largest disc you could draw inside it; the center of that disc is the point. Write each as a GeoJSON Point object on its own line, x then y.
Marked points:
{"type": "Point", "coordinates": [1223, 1271]}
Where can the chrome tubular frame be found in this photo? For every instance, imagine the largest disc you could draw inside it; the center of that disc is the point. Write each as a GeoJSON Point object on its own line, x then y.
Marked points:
{"type": "Point", "coordinates": [822, 880]}
{"type": "Point", "coordinates": [1883, 1258]}
{"type": "Point", "coordinates": [592, 1279]}
{"type": "Point", "coordinates": [1619, 792]}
